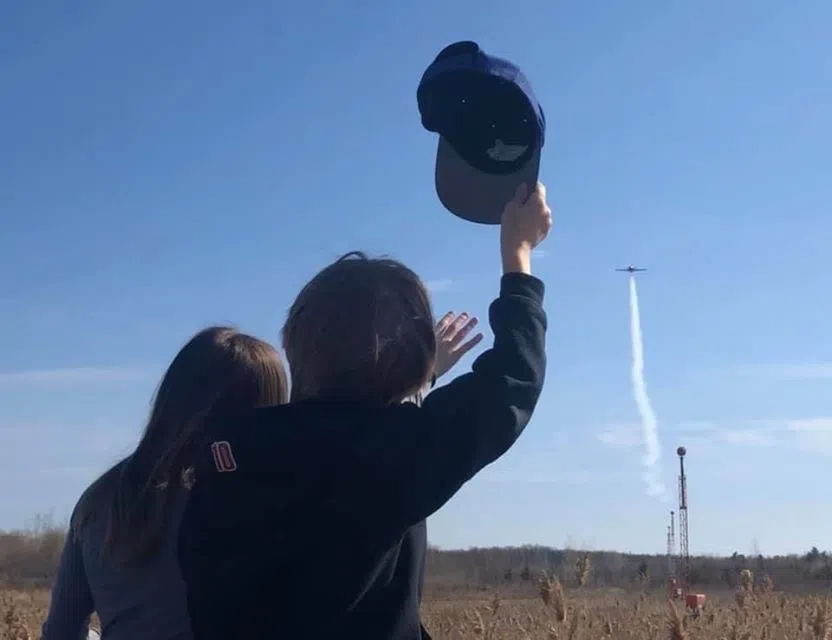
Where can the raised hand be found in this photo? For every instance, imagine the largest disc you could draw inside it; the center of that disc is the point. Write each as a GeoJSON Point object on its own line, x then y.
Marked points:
{"type": "Point", "coordinates": [451, 344]}
{"type": "Point", "coordinates": [525, 223]}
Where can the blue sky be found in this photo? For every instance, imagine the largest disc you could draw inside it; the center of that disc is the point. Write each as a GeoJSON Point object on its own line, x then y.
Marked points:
{"type": "Point", "coordinates": [165, 165]}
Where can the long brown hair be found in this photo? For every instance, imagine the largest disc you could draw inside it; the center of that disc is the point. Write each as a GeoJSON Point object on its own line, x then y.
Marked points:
{"type": "Point", "coordinates": [219, 370]}
{"type": "Point", "coordinates": [362, 328]}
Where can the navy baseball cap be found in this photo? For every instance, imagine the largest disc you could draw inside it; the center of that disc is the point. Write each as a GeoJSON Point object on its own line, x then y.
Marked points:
{"type": "Point", "coordinates": [491, 130]}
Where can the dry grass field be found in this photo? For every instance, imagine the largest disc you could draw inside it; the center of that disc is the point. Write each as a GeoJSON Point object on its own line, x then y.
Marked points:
{"type": "Point", "coordinates": [495, 593]}
{"type": "Point", "coordinates": [557, 615]}
{"type": "Point", "coordinates": [594, 615]}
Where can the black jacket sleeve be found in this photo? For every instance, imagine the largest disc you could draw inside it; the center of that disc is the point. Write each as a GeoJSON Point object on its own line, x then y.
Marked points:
{"type": "Point", "coordinates": [71, 605]}
{"type": "Point", "coordinates": [464, 426]}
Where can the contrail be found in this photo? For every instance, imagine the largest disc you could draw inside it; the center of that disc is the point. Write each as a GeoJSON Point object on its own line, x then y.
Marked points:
{"type": "Point", "coordinates": [649, 426]}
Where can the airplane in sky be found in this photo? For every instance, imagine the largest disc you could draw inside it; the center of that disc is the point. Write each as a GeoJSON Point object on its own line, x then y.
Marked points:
{"type": "Point", "coordinates": [632, 269]}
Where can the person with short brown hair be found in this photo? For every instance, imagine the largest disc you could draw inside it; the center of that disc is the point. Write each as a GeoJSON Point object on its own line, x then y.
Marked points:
{"type": "Point", "coordinates": [339, 336]}
{"type": "Point", "coordinates": [319, 529]}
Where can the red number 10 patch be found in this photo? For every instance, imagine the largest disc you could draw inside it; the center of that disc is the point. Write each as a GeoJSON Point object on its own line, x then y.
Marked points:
{"type": "Point", "coordinates": [223, 456]}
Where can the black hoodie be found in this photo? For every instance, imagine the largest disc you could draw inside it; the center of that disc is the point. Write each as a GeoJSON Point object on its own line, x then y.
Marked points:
{"type": "Point", "coordinates": [307, 520]}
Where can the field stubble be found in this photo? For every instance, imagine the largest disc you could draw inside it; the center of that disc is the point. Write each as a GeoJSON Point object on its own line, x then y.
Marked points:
{"type": "Point", "coordinates": [555, 614]}
{"type": "Point", "coordinates": [592, 614]}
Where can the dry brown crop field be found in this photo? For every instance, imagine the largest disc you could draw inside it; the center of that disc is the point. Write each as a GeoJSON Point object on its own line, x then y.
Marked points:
{"type": "Point", "coordinates": [554, 614]}
{"type": "Point", "coordinates": [594, 615]}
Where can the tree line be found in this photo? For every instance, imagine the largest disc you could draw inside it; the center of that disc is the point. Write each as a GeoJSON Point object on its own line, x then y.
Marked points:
{"type": "Point", "coordinates": [515, 565]}
{"type": "Point", "coordinates": [31, 558]}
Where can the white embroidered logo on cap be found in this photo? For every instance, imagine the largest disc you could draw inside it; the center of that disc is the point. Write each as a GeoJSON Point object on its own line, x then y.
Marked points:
{"type": "Point", "coordinates": [502, 152]}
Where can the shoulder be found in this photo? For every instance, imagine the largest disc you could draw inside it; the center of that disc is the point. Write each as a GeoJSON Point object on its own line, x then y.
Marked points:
{"type": "Point", "coordinates": [91, 504]}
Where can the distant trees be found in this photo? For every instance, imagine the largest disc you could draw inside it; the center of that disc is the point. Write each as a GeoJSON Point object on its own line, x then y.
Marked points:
{"type": "Point", "coordinates": [582, 570]}
{"type": "Point", "coordinates": [517, 565]}
{"type": "Point", "coordinates": [31, 557]}
{"type": "Point", "coordinates": [643, 572]}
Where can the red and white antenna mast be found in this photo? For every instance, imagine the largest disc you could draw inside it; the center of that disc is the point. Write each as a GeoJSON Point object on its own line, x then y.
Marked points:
{"type": "Point", "coordinates": [672, 581]}
{"type": "Point", "coordinates": [671, 547]}
{"type": "Point", "coordinates": [684, 549]}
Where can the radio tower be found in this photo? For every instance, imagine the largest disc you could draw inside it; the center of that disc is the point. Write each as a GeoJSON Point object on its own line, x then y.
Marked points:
{"type": "Point", "coordinates": [671, 547]}
{"type": "Point", "coordinates": [672, 581]}
{"type": "Point", "coordinates": [684, 550]}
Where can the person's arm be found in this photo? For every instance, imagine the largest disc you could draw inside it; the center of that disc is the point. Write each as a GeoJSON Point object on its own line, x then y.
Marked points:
{"type": "Point", "coordinates": [470, 422]}
{"type": "Point", "coordinates": [71, 605]}
{"type": "Point", "coordinates": [417, 466]}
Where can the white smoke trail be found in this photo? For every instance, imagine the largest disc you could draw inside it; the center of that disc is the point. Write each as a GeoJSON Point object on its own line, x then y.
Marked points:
{"type": "Point", "coordinates": [649, 426]}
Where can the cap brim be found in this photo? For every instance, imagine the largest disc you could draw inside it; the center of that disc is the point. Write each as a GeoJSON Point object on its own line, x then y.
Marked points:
{"type": "Point", "coordinates": [474, 195]}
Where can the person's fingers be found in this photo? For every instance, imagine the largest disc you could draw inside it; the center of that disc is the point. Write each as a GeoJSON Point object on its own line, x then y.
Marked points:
{"type": "Point", "coordinates": [456, 326]}
{"type": "Point", "coordinates": [521, 193]}
{"type": "Point", "coordinates": [460, 333]}
{"type": "Point", "coordinates": [538, 197]}
{"type": "Point", "coordinates": [444, 323]}
{"type": "Point", "coordinates": [467, 346]}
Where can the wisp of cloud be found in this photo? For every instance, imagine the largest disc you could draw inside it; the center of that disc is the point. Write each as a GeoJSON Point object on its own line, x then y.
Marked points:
{"type": "Point", "coordinates": [649, 425]}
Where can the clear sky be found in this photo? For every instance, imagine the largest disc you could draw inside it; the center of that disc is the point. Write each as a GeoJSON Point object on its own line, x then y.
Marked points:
{"type": "Point", "coordinates": [165, 165]}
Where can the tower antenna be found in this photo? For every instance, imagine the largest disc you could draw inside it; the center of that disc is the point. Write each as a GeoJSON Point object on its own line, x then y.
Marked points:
{"type": "Point", "coordinates": [684, 547]}
{"type": "Point", "coordinates": [672, 581]}
{"type": "Point", "coordinates": [694, 601]}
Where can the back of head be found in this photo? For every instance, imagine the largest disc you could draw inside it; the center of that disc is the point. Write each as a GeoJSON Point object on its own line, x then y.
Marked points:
{"type": "Point", "coordinates": [361, 329]}
{"type": "Point", "coordinates": [219, 370]}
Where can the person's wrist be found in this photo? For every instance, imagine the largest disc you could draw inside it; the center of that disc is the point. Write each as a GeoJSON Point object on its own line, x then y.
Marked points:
{"type": "Point", "coordinates": [517, 258]}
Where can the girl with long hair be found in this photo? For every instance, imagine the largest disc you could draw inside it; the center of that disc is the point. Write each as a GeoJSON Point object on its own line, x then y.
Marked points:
{"type": "Point", "coordinates": [119, 556]}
